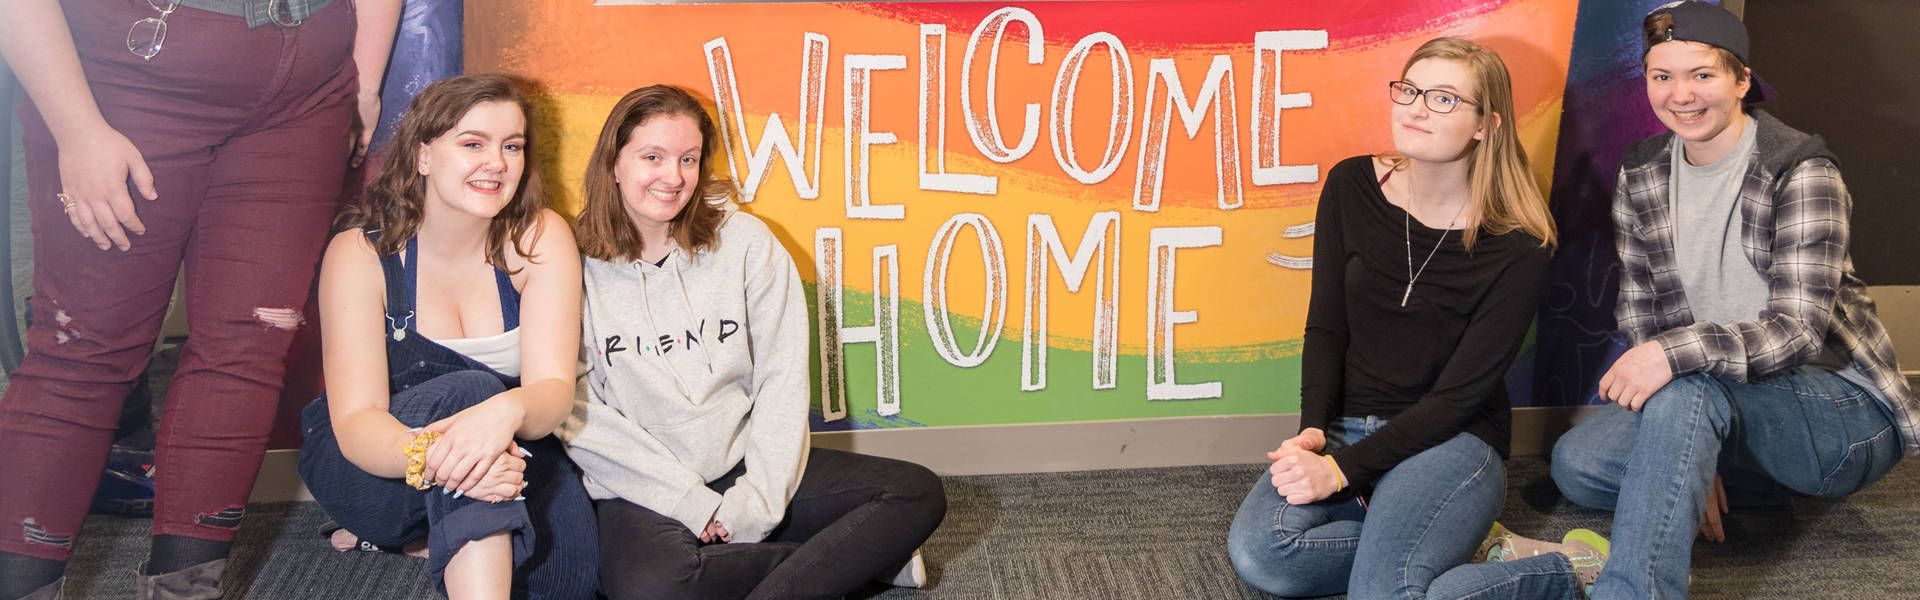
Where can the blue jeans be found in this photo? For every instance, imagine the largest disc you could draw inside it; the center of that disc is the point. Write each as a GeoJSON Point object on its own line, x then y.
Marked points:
{"type": "Point", "coordinates": [1811, 431]}
{"type": "Point", "coordinates": [554, 546]}
{"type": "Point", "coordinates": [1412, 540]}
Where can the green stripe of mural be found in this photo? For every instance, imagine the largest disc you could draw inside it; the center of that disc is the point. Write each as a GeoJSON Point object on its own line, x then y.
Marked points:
{"type": "Point", "coordinates": [1255, 379]}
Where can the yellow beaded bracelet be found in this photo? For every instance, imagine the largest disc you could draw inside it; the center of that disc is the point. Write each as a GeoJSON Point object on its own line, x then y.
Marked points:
{"type": "Point", "coordinates": [416, 450]}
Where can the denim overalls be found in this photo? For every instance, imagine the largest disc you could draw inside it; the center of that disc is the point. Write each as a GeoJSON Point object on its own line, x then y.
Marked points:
{"type": "Point", "coordinates": [554, 546]}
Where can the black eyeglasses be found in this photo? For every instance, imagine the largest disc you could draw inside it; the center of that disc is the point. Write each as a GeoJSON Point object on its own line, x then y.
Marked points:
{"type": "Point", "coordinates": [1439, 101]}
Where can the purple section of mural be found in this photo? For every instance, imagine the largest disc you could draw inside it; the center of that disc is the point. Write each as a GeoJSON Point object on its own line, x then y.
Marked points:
{"type": "Point", "coordinates": [426, 49]}
{"type": "Point", "coordinates": [1605, 111]}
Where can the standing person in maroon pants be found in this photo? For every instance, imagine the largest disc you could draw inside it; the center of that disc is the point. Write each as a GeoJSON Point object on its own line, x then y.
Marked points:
{"type": "Point", "coordinates": [209, 133]}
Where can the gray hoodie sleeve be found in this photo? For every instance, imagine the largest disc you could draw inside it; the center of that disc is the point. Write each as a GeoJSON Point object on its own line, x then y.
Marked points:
{"type": "Point", "coordinates": [621, 459]}
{"type": "Point", "coordinates": [777, 444]}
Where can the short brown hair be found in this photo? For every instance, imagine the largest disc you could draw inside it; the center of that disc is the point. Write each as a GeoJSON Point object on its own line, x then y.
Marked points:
{"type": "Point", "coordinates": [603, 230]}
{"type": "Point", "coordinates": [394, 198]}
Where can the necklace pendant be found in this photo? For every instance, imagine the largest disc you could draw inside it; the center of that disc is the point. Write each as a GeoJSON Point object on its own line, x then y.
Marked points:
{"type": "Point", "coordinates": [1406, 295]}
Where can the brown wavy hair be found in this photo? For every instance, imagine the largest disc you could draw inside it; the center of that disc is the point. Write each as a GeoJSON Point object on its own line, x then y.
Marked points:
{"type": "Point", "coordinates": [397, 193]}
{"type": "Point", "coordinates": [1504, 195]}
{"type": "Point", "coordinates": [603, 229]}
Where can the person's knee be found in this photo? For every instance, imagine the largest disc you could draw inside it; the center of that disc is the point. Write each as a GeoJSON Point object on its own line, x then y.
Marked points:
{"type": "Point", "coordinates": [1265, 567]}
{"type": "Point", "coordinates": [643, 554]}
{"type": "Point", "coordinates": [1579, 477]}
{"type": "Point", "coordinates": [659, 576]}
{"type": "Point", "coordinates": [918, 487]}
{"type": "Point", "coordinates": [468, 384]}
{"type": "Point", "coordinates": [91, 346]}
{"type": "Point", "coordinates": [1267, 548]}
{"type": "Point", "coordinates": [444, 396]}
{"type": "Point", "coordinates": [1682, 404]}
{"type": "Point", "coordinates": [1246, 551]}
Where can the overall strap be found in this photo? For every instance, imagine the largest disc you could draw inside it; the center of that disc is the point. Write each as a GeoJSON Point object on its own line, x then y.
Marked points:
{"type": "Point", "coordinates": [399, 291]}
{"type": "Point", "coordinates": [509, 299]}
{"type": "Point", "coordinates": [401, 319]}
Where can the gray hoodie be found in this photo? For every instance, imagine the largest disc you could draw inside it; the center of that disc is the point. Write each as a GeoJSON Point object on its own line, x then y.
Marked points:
{"type": "Point", "coordinates": [691, 367]}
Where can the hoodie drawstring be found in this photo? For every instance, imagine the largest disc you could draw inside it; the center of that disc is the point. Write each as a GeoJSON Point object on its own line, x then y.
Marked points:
{"type": "Point", "coordinates": [646, 305]}
{"type": "Point", "coordinates": [688, 299]}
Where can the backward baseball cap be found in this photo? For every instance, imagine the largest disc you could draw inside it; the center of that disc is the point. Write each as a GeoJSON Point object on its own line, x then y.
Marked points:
{"type": "Point", "coordinates": [1713, 25]}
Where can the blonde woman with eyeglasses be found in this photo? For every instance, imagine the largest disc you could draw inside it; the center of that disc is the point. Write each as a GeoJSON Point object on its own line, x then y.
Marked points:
{"type": "Point", "coordinates": [1428, 264]}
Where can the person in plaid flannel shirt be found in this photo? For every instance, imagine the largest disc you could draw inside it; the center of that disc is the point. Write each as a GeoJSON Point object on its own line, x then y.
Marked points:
{"type": "Point", "coordinates": [1757, 365]}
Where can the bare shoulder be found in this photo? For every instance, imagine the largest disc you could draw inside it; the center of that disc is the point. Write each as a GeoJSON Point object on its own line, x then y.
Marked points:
{"type": "Point", "coordinates": [549, 241]}
{"type": "Point", "coordinates": [550, 233]}
{"type": "Point", "coordinates": [350, 270]}
{"type": "Point", "coordinates": [350, 252]}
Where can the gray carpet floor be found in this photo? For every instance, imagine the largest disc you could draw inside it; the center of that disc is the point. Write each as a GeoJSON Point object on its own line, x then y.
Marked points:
{"type": "Point", "coordinates": [1129, 534]}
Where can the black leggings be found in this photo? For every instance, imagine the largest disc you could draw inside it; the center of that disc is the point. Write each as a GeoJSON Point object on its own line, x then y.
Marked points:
{"type": "Point", "coordinates": [854, 518]}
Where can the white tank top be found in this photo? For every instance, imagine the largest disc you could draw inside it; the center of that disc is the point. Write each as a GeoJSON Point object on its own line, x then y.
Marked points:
{"type": "Point", "coordinates": [499, 352]}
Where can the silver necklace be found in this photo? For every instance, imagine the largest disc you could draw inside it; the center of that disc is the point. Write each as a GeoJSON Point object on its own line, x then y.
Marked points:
{"type": "Point", "coordinates": [1406, 226]}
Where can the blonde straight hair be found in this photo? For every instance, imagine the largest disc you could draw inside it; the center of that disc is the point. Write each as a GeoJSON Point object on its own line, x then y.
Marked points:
{"type": "Point", "coordinates": [1503, 194]}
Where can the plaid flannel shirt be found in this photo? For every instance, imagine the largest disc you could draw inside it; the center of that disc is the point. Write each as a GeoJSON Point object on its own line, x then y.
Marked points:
{"type": "Point", "coordinates": [1794, 215]}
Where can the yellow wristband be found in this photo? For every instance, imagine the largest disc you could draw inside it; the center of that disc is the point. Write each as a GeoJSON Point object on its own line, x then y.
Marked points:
{"type": "Point", "coordinates": [1340, 479]}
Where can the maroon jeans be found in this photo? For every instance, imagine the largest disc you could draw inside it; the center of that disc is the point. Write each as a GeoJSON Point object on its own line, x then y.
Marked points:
{"type": "Point", "coordinates": [246, 134]}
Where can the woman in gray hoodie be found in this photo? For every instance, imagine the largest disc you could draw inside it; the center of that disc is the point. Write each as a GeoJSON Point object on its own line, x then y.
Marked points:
{"type": "Point", "coordinates": [690, 423]}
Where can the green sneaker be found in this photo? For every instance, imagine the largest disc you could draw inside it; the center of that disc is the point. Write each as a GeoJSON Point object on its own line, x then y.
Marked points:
{"type": "Point", "coordinates": [1587, 551]}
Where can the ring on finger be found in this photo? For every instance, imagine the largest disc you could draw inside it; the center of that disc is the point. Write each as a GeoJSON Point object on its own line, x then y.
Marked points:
{"type": "Point", "coordinates": [66, 202]}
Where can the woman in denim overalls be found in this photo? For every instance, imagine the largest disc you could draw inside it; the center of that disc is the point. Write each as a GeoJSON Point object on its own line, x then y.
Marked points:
{"type": "Point", "coordinates": [447, 231]}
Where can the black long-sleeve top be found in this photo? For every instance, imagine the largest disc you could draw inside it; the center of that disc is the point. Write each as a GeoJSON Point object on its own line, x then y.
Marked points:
{"type": "Point", "coordinates": [1433, 368]}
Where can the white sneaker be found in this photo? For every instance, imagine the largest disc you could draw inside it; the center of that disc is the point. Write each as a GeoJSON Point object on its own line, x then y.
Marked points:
{"type": "Point", "coordinates": [913, 575]}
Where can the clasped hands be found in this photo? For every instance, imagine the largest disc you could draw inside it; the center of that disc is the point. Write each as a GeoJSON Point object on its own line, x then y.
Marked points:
{"type": "Point", "coordinates": [715, 531]}
{"type": "Point", "coordinates": [1300, 474]}
{"type": "Point", "coordinates": [476, 455]}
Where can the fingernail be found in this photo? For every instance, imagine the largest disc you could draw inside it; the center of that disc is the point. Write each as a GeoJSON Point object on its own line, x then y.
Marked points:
{"type": "Point", "coordinates": [415, 430]}
{"type": "Point", "coordinates": [524, 453]}
{"type": "Point", "coordinates": [444, 491]}
{"type": "Point", "coordinates": [519, 498]}
{"type": "Point", "coordinates": [458, 494]}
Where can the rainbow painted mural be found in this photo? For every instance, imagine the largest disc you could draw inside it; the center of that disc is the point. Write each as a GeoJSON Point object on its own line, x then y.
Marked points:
{"type": "Point", "coordinates": [1030, 212]}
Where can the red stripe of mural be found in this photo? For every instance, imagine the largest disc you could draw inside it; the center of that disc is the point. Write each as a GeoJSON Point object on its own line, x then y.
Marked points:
{"type": "Point", "coordinates": [1198, 22]}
